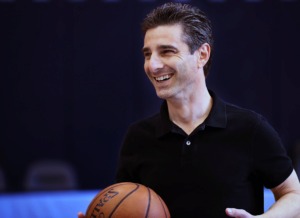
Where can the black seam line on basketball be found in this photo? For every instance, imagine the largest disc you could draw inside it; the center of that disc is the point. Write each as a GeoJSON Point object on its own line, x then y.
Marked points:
{"type": "Point", "coordinates": [163, 206]}
{"type": "Point", "coordinates": [100, 193]}
{"type": "Point", "coordinates": [116, 207]}
{"type": "Point", "coordinates": [149, 202]}
{"type": "Point", "coordinates": [103, 191]}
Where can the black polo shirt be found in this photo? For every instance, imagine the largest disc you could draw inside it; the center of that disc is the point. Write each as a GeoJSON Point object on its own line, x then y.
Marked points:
{"type": "Point", "coordinates": [224, 162]}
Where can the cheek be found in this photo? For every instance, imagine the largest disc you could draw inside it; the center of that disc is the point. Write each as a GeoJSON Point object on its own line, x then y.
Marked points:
{"type": "Point", "coordinates": [146, 68]}
{"type": "Point", "coordinates": [182, 69]}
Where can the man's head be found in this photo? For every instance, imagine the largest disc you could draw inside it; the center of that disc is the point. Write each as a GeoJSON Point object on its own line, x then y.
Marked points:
{"type": "Point", "coordinates": [196, 26]}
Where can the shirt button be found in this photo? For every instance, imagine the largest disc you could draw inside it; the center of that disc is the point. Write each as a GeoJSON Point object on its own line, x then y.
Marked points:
{"type": "Point", "coordinates": [188, 143]}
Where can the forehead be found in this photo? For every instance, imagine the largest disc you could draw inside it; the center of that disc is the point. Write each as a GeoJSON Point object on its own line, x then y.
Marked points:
{"type": "Point", "coordinates": [164, 35]}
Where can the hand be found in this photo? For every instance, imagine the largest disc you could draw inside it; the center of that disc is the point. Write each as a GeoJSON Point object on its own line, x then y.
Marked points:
{"type": "Point", "coordinates": [237, 213]}
{"type": "Point", "coordinates": [81, 215]}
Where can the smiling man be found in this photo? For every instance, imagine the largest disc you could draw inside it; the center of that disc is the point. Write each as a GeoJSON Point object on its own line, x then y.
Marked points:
{"type": "Point", "coordinates": [177, 74]}
{"type": "Point", "coordinates": [203, 156]}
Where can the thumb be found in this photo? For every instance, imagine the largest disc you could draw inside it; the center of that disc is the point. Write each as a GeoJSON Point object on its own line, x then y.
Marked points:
{"type": "Point", "coordinates": [81, 215]}
{"type": "Point", "coordinates": [237, 213]}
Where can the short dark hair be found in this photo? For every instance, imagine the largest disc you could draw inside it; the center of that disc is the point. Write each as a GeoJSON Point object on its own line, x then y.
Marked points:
{"type": "Point", "coordinates": [197, 28]}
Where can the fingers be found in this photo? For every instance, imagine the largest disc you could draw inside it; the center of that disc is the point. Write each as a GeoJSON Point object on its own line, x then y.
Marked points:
{"type": "Point", "coordinates": [237, 213]}
{"type": "Point", "coordinates": [81, 215]}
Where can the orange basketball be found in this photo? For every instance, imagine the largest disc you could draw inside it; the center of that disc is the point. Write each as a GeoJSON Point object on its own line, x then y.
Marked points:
{"type": "Point", "coordinates": [127, 200]}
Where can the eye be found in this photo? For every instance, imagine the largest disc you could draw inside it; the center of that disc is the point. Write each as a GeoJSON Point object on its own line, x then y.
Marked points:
{"type": "Point", "coordinates": [147, 55]}
{"type": "Point", "coordinates": [168, 51]}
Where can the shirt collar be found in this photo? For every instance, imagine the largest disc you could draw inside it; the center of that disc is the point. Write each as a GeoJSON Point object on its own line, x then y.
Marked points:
{"type": "Point", "coordinates": [217, 117]}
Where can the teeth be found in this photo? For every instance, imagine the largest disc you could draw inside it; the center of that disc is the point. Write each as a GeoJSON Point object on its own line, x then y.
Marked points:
{"type": "Point", "coordinates": [161, 78]}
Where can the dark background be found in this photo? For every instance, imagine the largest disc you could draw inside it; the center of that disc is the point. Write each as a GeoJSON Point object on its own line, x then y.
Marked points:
{"type": "Point", "coordinates": [72, 79]}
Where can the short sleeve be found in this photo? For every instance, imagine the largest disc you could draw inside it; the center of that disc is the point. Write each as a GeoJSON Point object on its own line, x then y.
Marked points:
{"type": "Point", "coordinates": [271, 161]}
{"type": "Point", "coordinates": [127, 159]}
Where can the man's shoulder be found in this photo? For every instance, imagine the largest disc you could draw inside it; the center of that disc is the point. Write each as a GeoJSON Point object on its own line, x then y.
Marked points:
{"type": "Point", "coordinates": [225, 113]}
{"type": "Point", "coordinates": [243, 114]}
{"type": "Point", "coordinates": [147, 122]}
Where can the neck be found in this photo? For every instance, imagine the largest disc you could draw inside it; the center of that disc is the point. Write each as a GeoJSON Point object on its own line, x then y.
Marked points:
{"type": "Point", "coordinates": [190, 112]}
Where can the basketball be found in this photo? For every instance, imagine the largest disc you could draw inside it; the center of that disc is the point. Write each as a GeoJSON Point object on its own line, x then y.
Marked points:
{"type": "Point", "coordinates": [127, 200]}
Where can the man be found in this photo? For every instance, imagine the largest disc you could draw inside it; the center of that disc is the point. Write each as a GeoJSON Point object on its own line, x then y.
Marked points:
{"type": "Point", "coordinates": [204, 157]}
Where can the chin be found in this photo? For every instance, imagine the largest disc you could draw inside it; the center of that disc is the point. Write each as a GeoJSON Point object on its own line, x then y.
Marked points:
{"type": "Point", "coordinates": [162, 95]}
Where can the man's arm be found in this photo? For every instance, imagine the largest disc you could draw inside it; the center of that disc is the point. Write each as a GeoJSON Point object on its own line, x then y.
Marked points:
{"type": "Point", "coordinates": [287, 196]}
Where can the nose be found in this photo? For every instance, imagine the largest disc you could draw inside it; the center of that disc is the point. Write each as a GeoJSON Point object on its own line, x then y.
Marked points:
{"type": "Point", "coordinates": [154, 63]}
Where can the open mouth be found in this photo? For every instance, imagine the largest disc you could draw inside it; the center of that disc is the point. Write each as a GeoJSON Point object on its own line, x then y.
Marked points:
{"type": "Point", "coordinates": [163, 78]}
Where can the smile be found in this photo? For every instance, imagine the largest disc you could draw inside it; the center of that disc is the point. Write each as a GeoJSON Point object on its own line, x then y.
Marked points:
{"type": "Point", "coordinates": [163, 78]}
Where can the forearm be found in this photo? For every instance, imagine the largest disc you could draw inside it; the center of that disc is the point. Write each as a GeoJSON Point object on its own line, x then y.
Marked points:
{"type": "Point", "coordinates": [287, 206]}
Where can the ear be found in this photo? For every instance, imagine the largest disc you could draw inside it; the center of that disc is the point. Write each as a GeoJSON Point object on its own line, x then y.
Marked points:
{"type": "Point", "coordinates": [204, 54]}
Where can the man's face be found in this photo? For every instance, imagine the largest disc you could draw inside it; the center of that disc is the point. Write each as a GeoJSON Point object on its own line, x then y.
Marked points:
{"type": "Point", "coordinates": [170, 66]}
